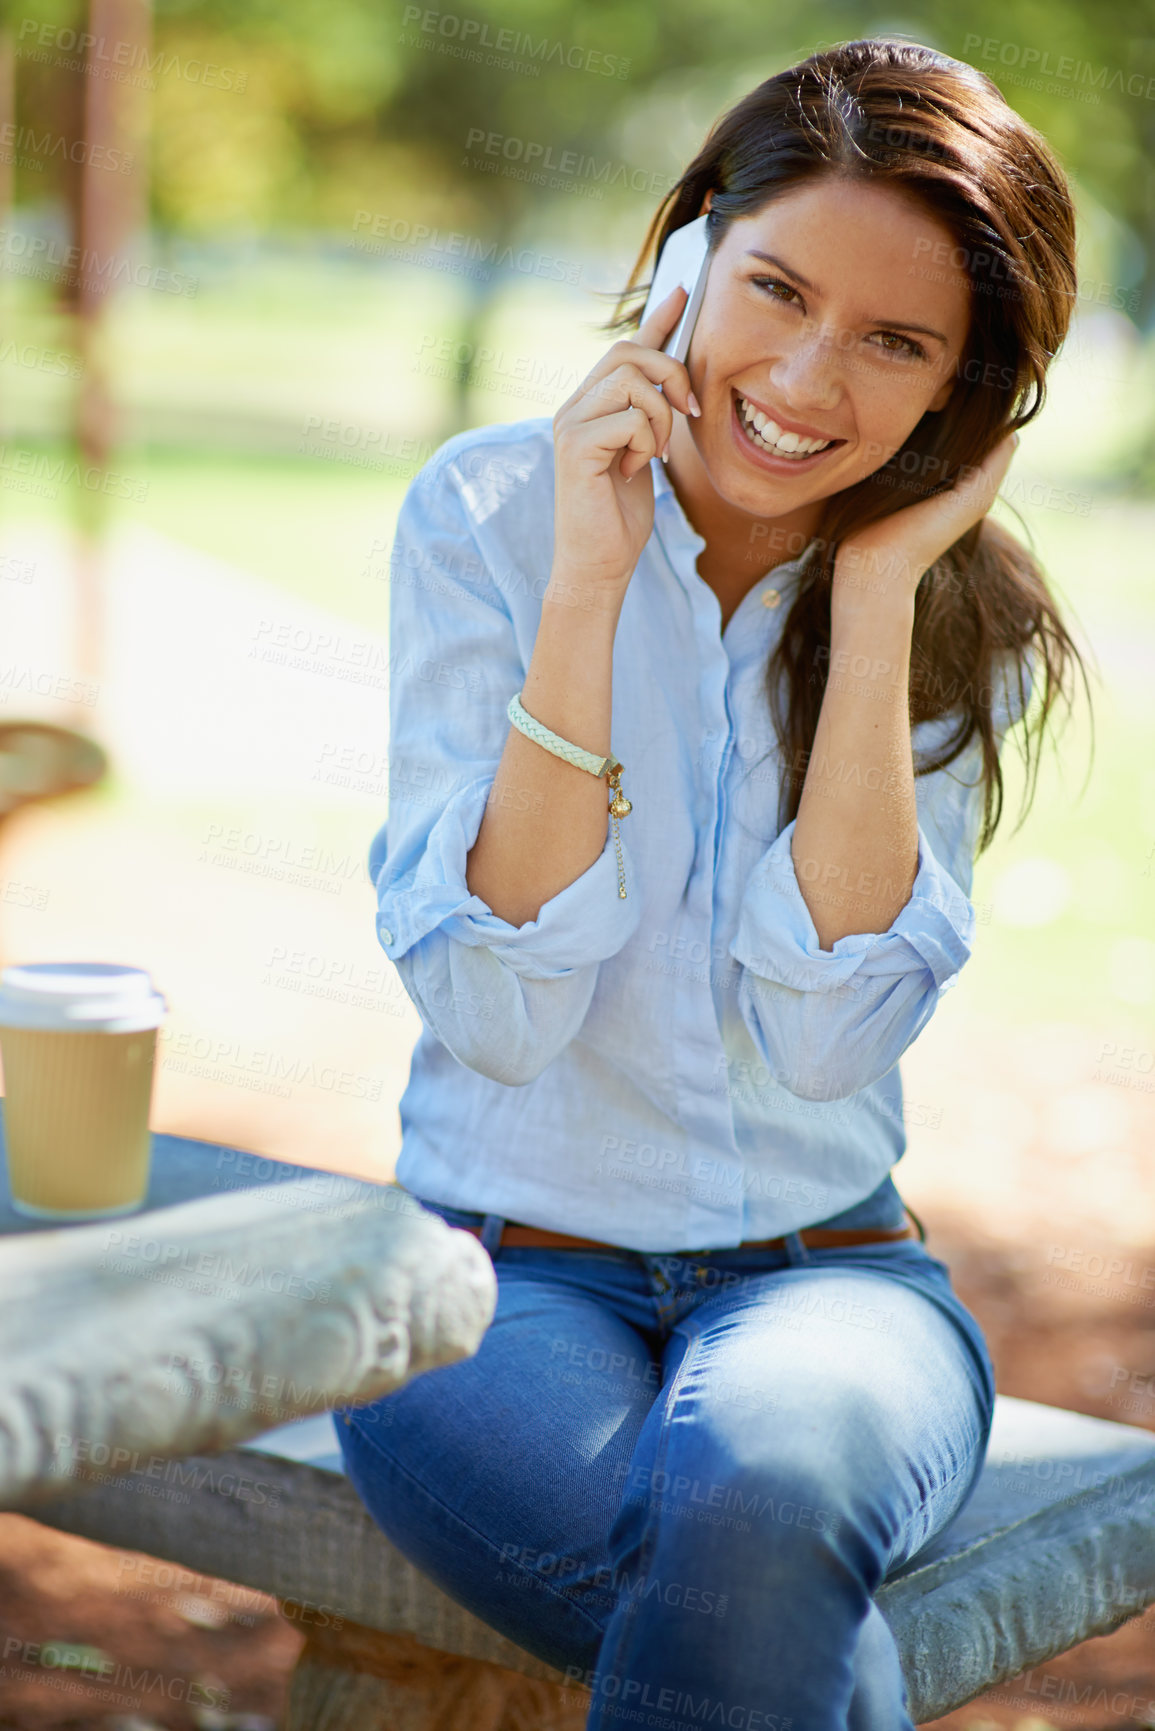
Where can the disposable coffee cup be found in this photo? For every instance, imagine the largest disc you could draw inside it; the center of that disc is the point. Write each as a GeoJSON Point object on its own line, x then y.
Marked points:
{"type": "Point", "coordinates": [78, 1041]}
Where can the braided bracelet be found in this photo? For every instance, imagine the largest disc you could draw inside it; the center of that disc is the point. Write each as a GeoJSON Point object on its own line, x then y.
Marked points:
{"type": "Point", "coordinates": [607, 766]}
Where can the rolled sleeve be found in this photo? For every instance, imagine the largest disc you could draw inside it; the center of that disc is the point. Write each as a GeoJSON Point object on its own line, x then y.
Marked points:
{"type": "Point", "coordinates": [584, 923]}
{"type": "Point", "coordinates": [777, 938]}
{"type": "Point", "coordinates": [831, 1022]}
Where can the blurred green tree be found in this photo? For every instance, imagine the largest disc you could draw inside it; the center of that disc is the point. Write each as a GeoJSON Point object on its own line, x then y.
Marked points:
{"type": "Point", "coordinates": [322, 108]}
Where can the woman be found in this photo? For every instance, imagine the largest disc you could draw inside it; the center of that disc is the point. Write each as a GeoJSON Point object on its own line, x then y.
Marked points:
{"type": "Point", "coordinates": [727, 1389]}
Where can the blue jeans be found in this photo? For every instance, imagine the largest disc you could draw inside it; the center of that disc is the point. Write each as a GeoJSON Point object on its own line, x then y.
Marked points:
{"type": "Point", "coordinates": [680, 1479]}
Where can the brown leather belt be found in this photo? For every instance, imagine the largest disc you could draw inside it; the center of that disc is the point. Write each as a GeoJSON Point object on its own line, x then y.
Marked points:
{"type": "Point", "coordinates": [813, 1237]}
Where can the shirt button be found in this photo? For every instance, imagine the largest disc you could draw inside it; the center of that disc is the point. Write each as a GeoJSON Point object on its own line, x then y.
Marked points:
{"type": "Point", "coordinates": [386, 935]}
{"type": "Point", "coordinates": [770, 597]}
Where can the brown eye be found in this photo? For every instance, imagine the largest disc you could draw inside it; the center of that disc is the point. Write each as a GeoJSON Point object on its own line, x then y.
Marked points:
{"type": "Point", "coordinates": [773, 282]}
{"type": "Point", "coordinates": [907, 346]}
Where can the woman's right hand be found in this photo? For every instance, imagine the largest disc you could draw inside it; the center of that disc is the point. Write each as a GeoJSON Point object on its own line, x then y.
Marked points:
{"type": "Point", "coordinates": [604, 436]}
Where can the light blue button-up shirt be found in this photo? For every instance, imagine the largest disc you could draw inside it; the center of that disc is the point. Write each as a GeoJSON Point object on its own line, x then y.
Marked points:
{"type": "Point", "coordinates": [684, 1068]}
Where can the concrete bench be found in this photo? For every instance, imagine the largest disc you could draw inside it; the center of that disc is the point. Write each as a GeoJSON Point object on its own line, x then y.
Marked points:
{"type": "Point", "coordinates": [1055, 1546]}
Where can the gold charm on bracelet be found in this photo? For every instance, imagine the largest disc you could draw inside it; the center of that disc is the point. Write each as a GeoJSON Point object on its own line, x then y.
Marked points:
{"type": "Point", "coordinates": [619, 805]}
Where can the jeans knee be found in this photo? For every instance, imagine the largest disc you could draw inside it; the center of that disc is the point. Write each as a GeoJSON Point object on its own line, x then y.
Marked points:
{"type": "Point", "coordinates": [787, 1514]}
{"type": "Point", "coordinates": [796, 1512]}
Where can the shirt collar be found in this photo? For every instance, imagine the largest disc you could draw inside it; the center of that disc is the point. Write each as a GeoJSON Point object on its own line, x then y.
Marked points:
{"type": "Point", "coordinates": [683, 543]}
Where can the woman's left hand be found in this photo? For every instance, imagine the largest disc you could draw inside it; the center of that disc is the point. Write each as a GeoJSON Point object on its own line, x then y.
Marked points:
{"type": "Point", "coordinates": [888, 558]}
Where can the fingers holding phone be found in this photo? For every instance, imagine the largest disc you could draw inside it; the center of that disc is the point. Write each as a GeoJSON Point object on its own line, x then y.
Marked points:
{"type": "Point", "coordinates": [619, 418]}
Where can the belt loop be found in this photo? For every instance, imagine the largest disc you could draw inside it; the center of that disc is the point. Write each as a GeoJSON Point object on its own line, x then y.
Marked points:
{"type": "Point", "coordinates": [796, 1251]}
{"type": "Point", "coordinates": [492, 1227]}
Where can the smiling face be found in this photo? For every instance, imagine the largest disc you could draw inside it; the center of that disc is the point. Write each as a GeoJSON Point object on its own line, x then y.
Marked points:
{"type": "Point", "coordinates": [837, 333]}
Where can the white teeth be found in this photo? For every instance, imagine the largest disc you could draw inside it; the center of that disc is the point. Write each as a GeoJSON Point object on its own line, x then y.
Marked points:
{"type": "Point", "coordinates": [768, 433]}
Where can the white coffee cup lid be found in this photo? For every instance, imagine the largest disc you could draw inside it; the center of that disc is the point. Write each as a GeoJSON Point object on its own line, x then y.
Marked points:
{"type": "Point", "coordinates": [93, 997]}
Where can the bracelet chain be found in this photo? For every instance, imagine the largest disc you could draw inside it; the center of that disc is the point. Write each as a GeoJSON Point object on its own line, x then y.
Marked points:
{"type": "Point", "coordinates": [619, 805]}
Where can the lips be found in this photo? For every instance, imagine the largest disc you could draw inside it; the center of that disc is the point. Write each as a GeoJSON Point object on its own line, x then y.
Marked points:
{"type": "Point", "coordinates": [756, 447]}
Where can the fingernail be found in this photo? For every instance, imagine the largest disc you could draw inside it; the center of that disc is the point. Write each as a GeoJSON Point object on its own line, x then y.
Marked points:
{"type": "Point", "coordinates": [695, 405]}
{"type": "Point", "coordinates": [666, 454]}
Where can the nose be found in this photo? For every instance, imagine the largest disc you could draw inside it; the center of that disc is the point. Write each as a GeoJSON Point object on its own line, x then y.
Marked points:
{"type": "Point", "coordinates": [807, 376]}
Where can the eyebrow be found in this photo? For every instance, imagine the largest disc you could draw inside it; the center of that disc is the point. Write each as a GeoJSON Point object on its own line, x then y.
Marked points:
{"type": "Point", "coordinates": [893, 324]}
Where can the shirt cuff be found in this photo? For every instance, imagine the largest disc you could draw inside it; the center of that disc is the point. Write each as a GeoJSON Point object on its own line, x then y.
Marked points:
{"type": "Point", "coordinates": [587, 921]}
{"type": "Point", "coordinates": [776, 936]}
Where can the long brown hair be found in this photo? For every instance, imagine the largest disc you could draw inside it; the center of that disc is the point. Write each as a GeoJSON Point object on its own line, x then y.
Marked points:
{"type": "Point", "coordinates": [896, 114]}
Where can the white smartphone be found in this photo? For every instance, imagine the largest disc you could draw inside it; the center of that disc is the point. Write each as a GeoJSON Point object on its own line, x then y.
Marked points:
{"type": "Point", "coordinates": [683, 261]}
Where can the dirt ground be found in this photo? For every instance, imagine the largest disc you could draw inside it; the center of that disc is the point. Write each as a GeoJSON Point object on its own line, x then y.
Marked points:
{"type": "Point", "coordinates": [210, 1658]}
